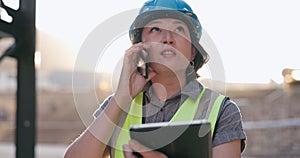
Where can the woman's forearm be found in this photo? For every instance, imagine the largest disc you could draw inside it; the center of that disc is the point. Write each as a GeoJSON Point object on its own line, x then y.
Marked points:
{"type": "Point", "coordinates": [93, 141]}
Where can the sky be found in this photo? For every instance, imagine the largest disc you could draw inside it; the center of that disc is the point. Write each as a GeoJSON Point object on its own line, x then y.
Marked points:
{"type": "Point", "coordinates": [255, 39]}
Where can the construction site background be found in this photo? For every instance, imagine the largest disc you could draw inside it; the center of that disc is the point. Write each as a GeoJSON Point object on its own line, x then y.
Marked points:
{"type": "Point", "coordinates": [270, 116]}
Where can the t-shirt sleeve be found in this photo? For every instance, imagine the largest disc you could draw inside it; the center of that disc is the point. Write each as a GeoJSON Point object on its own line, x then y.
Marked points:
{"type": "Point", "coordinates": [229, 125]}
{"type": "Point", "coordinates": [102, 107]}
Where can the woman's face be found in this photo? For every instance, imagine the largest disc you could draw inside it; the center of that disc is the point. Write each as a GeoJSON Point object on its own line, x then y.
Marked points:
{"type": "Point", "coordinates": [171, 49]}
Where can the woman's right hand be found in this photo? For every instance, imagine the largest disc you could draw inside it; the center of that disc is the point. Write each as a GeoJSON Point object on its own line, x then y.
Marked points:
{"type": "Point", "coordinates": [141, 149]}
{"type": "Point", "coordinates": [131, 82]}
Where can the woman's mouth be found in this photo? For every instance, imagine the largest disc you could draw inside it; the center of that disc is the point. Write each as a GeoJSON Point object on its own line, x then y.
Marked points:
{"type": "Point", "coordinates": [168, 53]}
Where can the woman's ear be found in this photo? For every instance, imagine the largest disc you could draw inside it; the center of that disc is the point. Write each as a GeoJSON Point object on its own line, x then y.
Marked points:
{"type": "Point", "coordinates": [194, 52]}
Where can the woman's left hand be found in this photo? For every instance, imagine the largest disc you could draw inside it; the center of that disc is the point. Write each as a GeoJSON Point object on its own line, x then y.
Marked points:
{"type": "Point", "coordinates": [144, 151]}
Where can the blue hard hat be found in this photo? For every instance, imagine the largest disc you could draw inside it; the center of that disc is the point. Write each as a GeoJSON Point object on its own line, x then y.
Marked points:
{"type": "Point", "coordinates": [155, 9]}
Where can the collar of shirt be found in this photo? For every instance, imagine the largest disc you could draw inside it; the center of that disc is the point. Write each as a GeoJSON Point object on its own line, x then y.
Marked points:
{"type": "Point", "coordinates": [192, 90]}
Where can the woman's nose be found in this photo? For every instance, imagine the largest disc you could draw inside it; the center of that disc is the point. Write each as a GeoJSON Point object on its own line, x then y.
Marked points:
{"type": "Point", "coordinates": [167, 37]}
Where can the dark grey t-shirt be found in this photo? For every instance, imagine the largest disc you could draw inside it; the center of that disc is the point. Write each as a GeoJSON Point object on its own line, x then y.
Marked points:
{"type": "Point", "coordinates": [228, 126]}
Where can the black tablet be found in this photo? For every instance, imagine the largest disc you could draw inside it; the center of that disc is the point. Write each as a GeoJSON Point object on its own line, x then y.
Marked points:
{"type": "Point", "coordinates": [186, 139]}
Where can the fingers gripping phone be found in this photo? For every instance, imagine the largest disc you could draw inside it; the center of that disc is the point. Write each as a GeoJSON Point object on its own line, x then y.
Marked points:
{"type": "Point", "coordinates": [143, 63]}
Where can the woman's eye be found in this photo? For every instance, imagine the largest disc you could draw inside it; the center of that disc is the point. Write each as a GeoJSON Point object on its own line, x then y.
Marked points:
{"type": "Point", "coordinates": [179, 29]}
{"type": "Point", "coordinates": [154, 29]}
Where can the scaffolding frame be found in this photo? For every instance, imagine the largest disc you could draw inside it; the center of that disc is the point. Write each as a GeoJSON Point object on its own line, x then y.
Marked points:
{"type": "Point", "coordinates": [23, 30]}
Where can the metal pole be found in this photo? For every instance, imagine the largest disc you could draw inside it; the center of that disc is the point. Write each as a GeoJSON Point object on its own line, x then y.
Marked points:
{"type": "Point", "coordinates": [26, 111]}
{"type": "Point", "coordinates": [26, 92]}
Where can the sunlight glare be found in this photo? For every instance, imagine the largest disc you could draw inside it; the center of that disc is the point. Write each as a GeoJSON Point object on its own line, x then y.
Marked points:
{"type": "Point", "coordinates": [37, 59]}
{"type": "Point", "coordinates": [296, 74]}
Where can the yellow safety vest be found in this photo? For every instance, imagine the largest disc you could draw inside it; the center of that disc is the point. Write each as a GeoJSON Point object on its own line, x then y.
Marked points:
{"type": "Point", "coordinates": [186, 112]}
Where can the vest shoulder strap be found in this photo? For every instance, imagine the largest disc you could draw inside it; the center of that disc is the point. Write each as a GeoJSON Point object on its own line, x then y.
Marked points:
{"type": "Point", "coordinates": [214, 113]}
{"type": "Point", "coordinates": [209, 107]}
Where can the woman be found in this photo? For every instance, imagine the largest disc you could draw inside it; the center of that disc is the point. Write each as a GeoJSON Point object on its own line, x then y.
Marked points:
{"type": "Point", "coordinates": [169, 32]}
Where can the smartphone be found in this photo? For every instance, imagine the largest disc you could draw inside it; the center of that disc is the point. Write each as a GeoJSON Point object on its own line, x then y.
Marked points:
{"type": "Point", "coordinates": [143, 63]}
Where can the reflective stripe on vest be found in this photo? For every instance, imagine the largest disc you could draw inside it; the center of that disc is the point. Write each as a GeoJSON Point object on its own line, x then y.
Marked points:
{"type": "Point", "coordinates": [186, 112]}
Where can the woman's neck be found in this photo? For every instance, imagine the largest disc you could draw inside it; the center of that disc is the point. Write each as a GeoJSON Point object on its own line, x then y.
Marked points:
{"type": "Point", "coordinates": [166, 85]}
